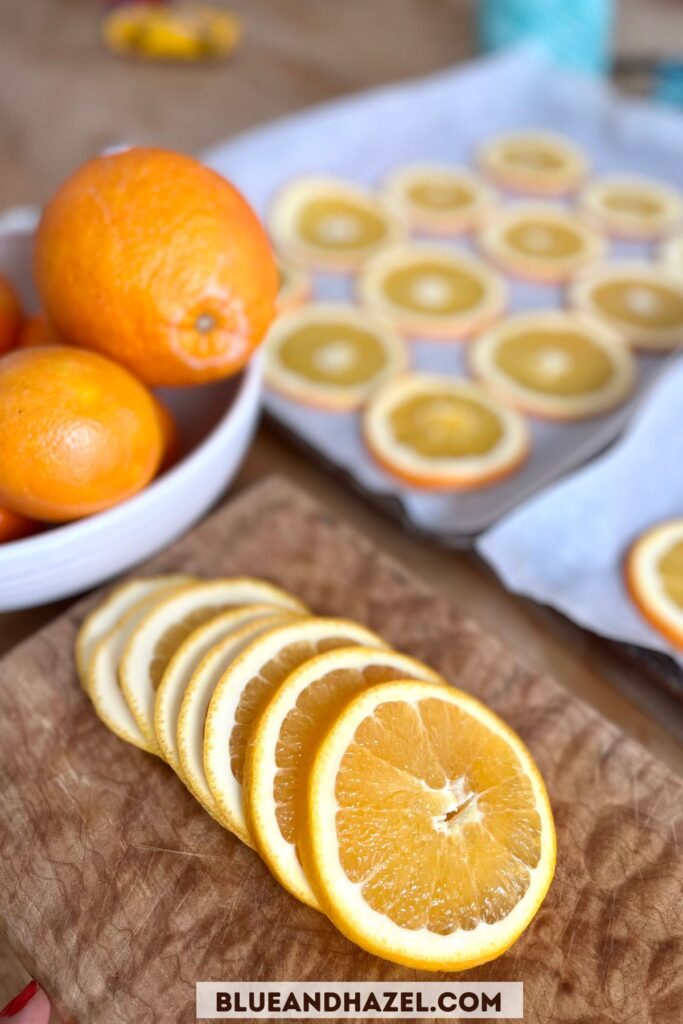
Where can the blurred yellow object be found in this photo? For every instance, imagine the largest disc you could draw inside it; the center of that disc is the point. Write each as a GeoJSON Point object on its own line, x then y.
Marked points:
{"type": "Point", "coordinates": [185, 33]}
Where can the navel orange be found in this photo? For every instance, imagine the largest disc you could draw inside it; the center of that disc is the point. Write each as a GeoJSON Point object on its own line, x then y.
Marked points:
{"type": "Point", "coordinates": [153, 259]}
{"type": "Point", "coordinates": [10, 315]}
{"type": "Point", "coordinates": [78, 433]}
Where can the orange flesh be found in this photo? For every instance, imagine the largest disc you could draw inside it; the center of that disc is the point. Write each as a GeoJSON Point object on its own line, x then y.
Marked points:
{"type": "Point", "coordinates": [329, 353]}
{"type": "Point", "coordinates": [169, 642]}
{"type": "Point", "coordinates": [434, 288]}
{"type": "Point", "coordinates": [340, 224]}
{"type": "Point", "coordinates": [436, 820]}
{"type": "Point", "coordinates": [445, 426]}
{"type": "Point", "coordinates": [634, 203]}
{"type": "Point", "coordinates": [671, 571]}
{"type": "Point", "coordinates": [544, 239]}
{"type": "Point", "coordinates": [665, 308]}
{"type": "Point", "coordinates": [440, 195]}
{"type": "Point", "coordinates": [532, 157]}
{"type": "Point", "coordinates": [554, 362]}
{"type": "Point", "coordinates": [261, 687]}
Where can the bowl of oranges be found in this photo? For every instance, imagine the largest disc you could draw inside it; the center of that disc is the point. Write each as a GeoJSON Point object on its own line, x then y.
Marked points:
{"type": "Point", "coordinates": [130, 322]}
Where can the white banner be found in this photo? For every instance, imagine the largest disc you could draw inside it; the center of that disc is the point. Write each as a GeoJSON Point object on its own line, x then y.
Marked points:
{"type": "Point", "coordinates": [402, 1000]}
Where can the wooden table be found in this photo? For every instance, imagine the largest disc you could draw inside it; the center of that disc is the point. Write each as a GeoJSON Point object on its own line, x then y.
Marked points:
{"type": "Point", "coordinates": [63, 98]}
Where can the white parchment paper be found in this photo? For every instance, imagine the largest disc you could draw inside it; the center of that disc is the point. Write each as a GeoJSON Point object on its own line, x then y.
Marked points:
{"type": "Point", "coordinates": [444, 117]}
{"type": "Point", "coordinates": [566, 546]}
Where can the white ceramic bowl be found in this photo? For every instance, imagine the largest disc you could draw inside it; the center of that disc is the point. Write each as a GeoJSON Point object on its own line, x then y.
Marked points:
{"type": "Point", "coordinates": [216, 424]}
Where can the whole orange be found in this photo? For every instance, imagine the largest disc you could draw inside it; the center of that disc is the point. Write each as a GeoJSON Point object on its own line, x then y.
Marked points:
{"type": "Point", "coordinates": [37, 330]}
{"type": "Point", "coordinates": [152, 258]}
{"type": "Point", "coordinates": [78, 433]}
{"type": "Point", "coordinates": [15, 527]}
{"type": "Point", "coordinates": [10, 315]}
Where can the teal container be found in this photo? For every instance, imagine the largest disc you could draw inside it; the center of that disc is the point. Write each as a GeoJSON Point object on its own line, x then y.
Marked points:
{"type": "Point", "coordinates": [577, 33]}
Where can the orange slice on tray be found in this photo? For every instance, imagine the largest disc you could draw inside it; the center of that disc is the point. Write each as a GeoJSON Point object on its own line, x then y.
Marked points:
{"type": "Point", "coordinates": [192, 714]}
{"type": "Point", "coordinates": [654, 576]}
{"type": "Point", "coordinates": [555, 364]}
{"type": "Point", "coordinates": [537, 163]}
{"type": "Point", "coordinates": [439, 199]}
{"type": "Point", "coordinates": [429, 836]}
{"type": "Point", "coordinates": [432, 291]}
{"type": "Point", "coordinates": [540, 242]}
{"type": "Point", "coordinates": [244, 690]}
{"type": "Point", "coordinates": [109, 612]}
{"type": "Point", "coordinates": [330, 224]}
{"type": "Point", "coordinates": [284, 740]}
{"type": "Point", "coordinates": [102, 680]}
{"type": "Point", "coordinates": [179, 671]}
{"type": "Point", "coordinates": [643, 301]}
{"type": "Point", "coordinates": [632, 207]}
{"type": "Point", "coordinates": [296, 287]}
{"type": "Point", "coordinates": [331, 355]}
{"type": "Point", "coordinates": [158, 636]}
{"type": "Point", "coordinates": [443, 433]}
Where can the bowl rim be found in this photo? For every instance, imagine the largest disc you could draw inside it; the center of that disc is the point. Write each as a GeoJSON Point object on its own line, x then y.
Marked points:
{"type": "Point", "coordinates": [13, 552]}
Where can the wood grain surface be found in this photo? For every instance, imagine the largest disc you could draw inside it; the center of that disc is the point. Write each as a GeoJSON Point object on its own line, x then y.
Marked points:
{"type": "Point", "coordinates": [119, 893]}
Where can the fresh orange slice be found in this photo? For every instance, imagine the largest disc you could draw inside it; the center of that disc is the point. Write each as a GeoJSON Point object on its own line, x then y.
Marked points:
{"type": "Point", "coordinates": [632, 207]}
{"type": "Point", "coordinates": [284, 739]}
{"type": "Point", "coordinates": [642, 301]}
{"type": "Point", "coordinates": [654, 576]}
{"type": "Point", "coordinates": [296, 287]}
{"type": "Point", "coordinates": [443, 432]}
{"type": "Point", "coordinates": [102, 680]}
{"type": "Point", "coordinates": [540, 242]}
{"type": "Point", "coordinates": [536, 163]}
{"type": "Point", "coordinates": [431, 291]}
{"type": "Point", "coordinates": [109, 612]}
{"type": "Point", "coordinates": [439, 199]}
{"type": "Point", "coordinates": [158, 636]}
{"type": "Point", "coordinates": [179, 671]}
{"type": "Point", "coordinates": [555, 364]}
{"type": "Point", "coordinates": [330, 224]}
{"type": "Point", "coordinates": [429, 836]}
{"type": "Point", "coordinates": [195, 702]}
{"type": "Point", "coordinates": [244, 690]}
{"type": "Point", "coordinates": [331, 355]}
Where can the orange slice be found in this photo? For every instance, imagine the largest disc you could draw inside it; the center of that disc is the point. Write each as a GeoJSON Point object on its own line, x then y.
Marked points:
{"type": "Point", "coordinates": [540, 242]}
{"type": "Point", "coordinates": [628, 206]}
{"type": "Point", "coordinates": [179, 671]}
{"type": "Point", "coordinates": [330, 224]}
{"type": "Point", "coordinates": [296, 287]}
{"type": "Point", "coordinates": [244, 690]}
{"type": "Point", "coordinates": [109, 612]}
{"type": "Point", "coordinates": [430, 839]}
{"type": "Point", "coordinates": [439, 199]}
{"type": "Point", "coordinates": [431, 291]}
{"type": "Point", "coordinates": [195, 702]}
{"type": "Point", "coordinates": [331, 355]}
{"type": "Point", "coordinates": [654, 576]}
{"type": "Point", "coordinates": [284, 741]}
{"type": "Point", "coordinates": [157, 638]}
{"type": "Point", "coordinates": [555, 364]}
{"type": "Point", "coordinates": [537, 163]}
{"type": "Point", "coordinates": [443, 432]}
{"type": "Point", "coordinates": [642, 301]}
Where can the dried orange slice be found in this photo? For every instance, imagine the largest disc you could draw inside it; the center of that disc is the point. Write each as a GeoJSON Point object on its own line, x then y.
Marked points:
{"type": "Point", "coordinates": [296, 287]}
{"type": "Point", "coordinates": [439, 199]}
{"type": "Point", "coordinates": [443, 432]}
{"type": "Point", "coordinates": [244, 690]}
{"type": "Point", "coordinates": [432, 291]}
{"type": "Point", "coordinates": [429, 837]}
{"type": "Point", "coordinates": [643, 301]}
{"type": "Point", "coordinates": [285, 738]}
{"type": "Point", "coordinates": [179, 671]}
{"type": "Point", "coordinates": [195, 702]}
{"type": "Point", "coordinates": [555, 364]}
{"type": "Point", "coordinates": [654, 576]}
{"type": "Point", "coordinates": [158, 636]}
{"type": "Point", "coordinates": [330, 224]}
{"type": "Point", "coordinates": [102, 680]}
{"type": "Point", "coordinates": [537, 163]}
{"type": "Point", "coordinates": [109, 612]}
{"type": "Point", "coordinates": [331, 355]}
{"type": "Point", "coordinates": [628, 206]}
{"type": "Point", "coordinates": [540, 242]}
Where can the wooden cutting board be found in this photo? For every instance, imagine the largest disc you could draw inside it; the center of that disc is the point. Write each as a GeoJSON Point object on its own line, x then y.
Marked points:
{"type": "Point", "coordinates": [118, 892]}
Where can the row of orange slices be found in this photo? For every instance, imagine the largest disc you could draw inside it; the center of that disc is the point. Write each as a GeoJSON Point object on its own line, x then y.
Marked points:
{"type": "Point", "coordinates": [401, 807]}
